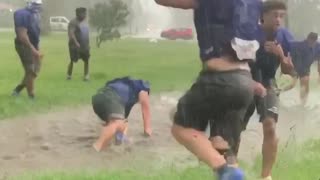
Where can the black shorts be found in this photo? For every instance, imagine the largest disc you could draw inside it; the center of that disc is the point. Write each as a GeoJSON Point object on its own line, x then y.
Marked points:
{"type": "Point", "coordinates": [30, 64]}
{"type": "Point", "coordinates": [78, 53]}
{"type": "Point", "coordinates": [301, 73]}
{"type": "Point", "coordinates": [301, 66]}
{"type": "Point", "coordinates": [107, 105]}
{"type": "Point", "coordinates": [267, 106]}
{"type": "Point", "coordinates": [220, 98]}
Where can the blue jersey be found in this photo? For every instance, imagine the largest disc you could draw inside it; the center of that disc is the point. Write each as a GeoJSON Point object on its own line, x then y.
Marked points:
{"type": "Point", "coordinates": [218, 22]}
{"type": "Point", "coordinates": [128, 89]}
{"type": "Point", "coordinates": [25, 18]}
{"type": "Point", "coordinates": [266, 65]}
{"type": "Point", "coordinates": [303, 55]}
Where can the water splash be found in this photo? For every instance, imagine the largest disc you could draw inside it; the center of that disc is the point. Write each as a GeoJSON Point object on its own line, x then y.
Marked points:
{"type": "Point", "coordinates": [151, 18]}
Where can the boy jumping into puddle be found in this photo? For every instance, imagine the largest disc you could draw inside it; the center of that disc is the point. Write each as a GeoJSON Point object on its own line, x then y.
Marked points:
{"type": "Point", "coordinates": [113, 103]}
{"type": "Point", "coordinates": [224, 89]}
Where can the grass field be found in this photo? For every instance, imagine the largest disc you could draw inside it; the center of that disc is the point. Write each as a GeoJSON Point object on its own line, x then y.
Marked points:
{"type": "Point", "coordinates": [295, 163]}
{"type": "Point", "coordinates": [167, 65]}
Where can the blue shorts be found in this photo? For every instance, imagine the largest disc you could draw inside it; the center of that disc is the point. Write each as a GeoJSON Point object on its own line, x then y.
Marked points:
{"type": "Point", "coordinates": [301, 72]}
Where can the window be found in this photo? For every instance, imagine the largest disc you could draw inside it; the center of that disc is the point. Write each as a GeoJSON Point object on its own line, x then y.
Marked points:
{"type": "Point", "coordinates": [54, 20]}
{"type": "Point", "coordinates": [63, 20]}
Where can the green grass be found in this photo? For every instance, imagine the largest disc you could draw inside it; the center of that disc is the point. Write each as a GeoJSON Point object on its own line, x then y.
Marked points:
{"type": "Point", "coordinates": [188, 174]}
{"type": "Point", "coordinates": [295, 163]}
{"type": "Point", "coordinates": [167, 65]}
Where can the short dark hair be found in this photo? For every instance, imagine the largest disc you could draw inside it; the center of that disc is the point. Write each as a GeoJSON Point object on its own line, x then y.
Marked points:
{"type": "Point", "coordinates": [312, 36]}
{"type": "Point", "coordinates": [271, 5]}
{"type": "Point", "coordinates": [81, 10]}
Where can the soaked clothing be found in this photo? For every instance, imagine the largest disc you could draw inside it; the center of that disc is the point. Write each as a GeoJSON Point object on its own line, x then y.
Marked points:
{"type": "Point", "coordinates": [76, 54]}
{"type": "Point", "coordinates": [81, 32]}
{"type": "Point", "coordinates": [116, 99]}
{"type": "Point", "coordinates": [267, 106]}
{"type": "Point", "coordinates": [264, 71]}
{"type": "Point", "coordinates": [29, 63]}
{"type": "Point", "coordinates": [267, 63]}
{"type": "Point", "coordinates": [107, 104]}
{"type": "Point", "coordinates": [218, 98]}
{"type": "Point", "coordinates": [218, 22]}
{"type": "Point", "coordinates": [302, 57]}
{"type": "Point", "coordinates": [25, 18]}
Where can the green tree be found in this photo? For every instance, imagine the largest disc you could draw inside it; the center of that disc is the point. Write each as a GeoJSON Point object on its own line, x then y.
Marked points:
{"type": "Point", "coordinates": [107, 18]}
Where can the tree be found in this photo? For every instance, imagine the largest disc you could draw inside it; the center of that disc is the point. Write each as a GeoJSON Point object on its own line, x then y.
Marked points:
{"type": "Point", "coordinates": [107, 18]}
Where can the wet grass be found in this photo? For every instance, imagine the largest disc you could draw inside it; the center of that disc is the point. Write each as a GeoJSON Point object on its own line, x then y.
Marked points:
{"type": "Point", "coordinates": [167, 65]}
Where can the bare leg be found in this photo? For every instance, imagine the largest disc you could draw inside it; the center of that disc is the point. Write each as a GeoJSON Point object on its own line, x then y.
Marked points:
{"type": "Point", "coordinates": [196, 142]}
{"type": "Point", "coordinates": [108, 132]}
{"type": "Point", "coordinates": [86, 70]}
{"type": "Point", "coordinates": [20, 87]}
{"type": "Point", "coordinates": [70, 69]}
{"type": "Point", "coordinates": [269, 147]}
{"type": "Point", "coordinates": [29, 81]}
{"type": "Point", "coordinates": [223, 148]}
{"type": "Point", "coordinates": [219, 143]}
{"type": "Point", "coordinates": [304, 89]}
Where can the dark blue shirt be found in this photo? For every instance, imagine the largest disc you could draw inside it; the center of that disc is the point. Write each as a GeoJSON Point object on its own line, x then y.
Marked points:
{"type": "Point", "coordinates": [24, 18]}
{"type": "Point", "coordinates": [266, 65]}
{"type": "Point", "coordinates": [217, 22]}
{"type": "Point", "coordinates": [302, 54]}
{"type": "Point", "coordinates": [128, 89]}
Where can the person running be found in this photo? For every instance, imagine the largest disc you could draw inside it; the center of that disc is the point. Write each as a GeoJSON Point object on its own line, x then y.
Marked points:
{"type": "Point", "coordinates": [27, 29]}
{"type": "Point", "coordinates": [303, 54]}
{"type": "Point", "coordinates": [224, 89]}
{"type": "Point", "coordinates": [79, 42]}
{"type": "Point", "coordinates": [113, 103]}
{"type": "Point", "coordinates": [274, 52]}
